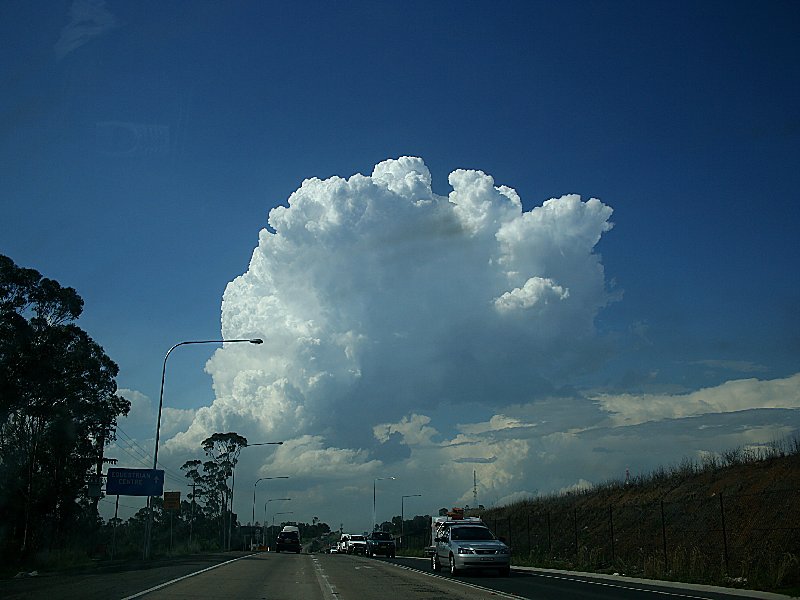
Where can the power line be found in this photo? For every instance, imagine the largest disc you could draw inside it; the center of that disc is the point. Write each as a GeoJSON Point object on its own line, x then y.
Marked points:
{"type": "Point", "coordinates": [144, 457]}
{"type": "Point", "coordinates": [123, 505]}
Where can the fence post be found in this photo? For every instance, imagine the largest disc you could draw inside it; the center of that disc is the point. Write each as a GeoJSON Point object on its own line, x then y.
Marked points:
{"type": "Point", "coordinates": [549, 538]}
{"type": "Point", "coordinates": [724, 533]}
{"type": "Point", "coordinates": [528, 517]}
{"type": "Point", "coordinates": [611, 523]}
{"type": "Point", "coordinates": [575, 524]}
{"type": "Point", "coordinates": [664, 535]}
{"type": "Point", "coordinates": [509, 531]}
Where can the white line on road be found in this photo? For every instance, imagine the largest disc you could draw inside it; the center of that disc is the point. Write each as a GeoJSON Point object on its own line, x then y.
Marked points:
{"type": "Point", "coordinates": [562, 578]}
{"type": "Point", "coordinates": [328, 589]}
{"type": "Point", "coordinates": [621, 587]}
{"type": "Point", "coordinates": [464, 583]}
{"type": "Point", "coordinates": [163, 585]}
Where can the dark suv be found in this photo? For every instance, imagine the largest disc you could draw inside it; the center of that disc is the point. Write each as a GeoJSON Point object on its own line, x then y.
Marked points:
{"type": "Point", "coordinates": [289, 541]}
{"type": "Point", "coordinates": [380, 542]}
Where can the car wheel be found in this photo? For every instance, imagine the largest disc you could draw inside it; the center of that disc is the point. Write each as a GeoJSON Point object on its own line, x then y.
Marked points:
{"type": "Point", "coordinates": [435, 566]}
{"type": "Point", "coordinates": [453, 569]}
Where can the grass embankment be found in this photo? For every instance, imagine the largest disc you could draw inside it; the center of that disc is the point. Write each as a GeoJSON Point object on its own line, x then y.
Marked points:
{"type": "Point", "coordinates": [731, 520]}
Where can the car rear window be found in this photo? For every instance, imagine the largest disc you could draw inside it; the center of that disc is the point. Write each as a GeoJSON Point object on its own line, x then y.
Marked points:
{"type": "Point", "coordinates": [470, 533]}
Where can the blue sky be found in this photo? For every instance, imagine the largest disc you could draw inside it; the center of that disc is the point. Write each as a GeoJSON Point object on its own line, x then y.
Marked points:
{"type": "Point", "coordinates": [144, 144]}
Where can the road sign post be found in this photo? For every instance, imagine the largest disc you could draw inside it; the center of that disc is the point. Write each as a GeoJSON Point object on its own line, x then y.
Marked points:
{"type": "Point", "coordinates": [172, 500]}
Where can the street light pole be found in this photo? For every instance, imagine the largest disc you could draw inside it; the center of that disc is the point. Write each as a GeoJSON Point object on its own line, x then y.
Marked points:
{"type": "Point", "coordinates": [149, 528]}
{"type": "Point", "coordinates": [374, 481]}
{"type": "Point", "coordinates": [280, 513]}
{"type": "Point", "coordinates": [233, 485]}
{"type": "Point", "coordinates": [266, 504]}
{"type": "Point", "coordinates": [254, 493]}
{"type": "Point", "coordinates": [402, 514]}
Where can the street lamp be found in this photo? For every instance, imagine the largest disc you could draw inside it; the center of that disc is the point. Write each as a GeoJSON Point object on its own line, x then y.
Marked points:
{"type": "Point", "coordinates": [374, 481]}
{"type": "Point", "coordinates": [266, 504]}
{"type": "Point", "coordinates": [148, 533]}
{"type": "Point", "coordinates": [402, 513]}
{"type": "Point", "coordinates": [233, 485]}
{"type": "Point", "coordinates": [280, 513]}
{"type": "Point", "coordinates": [254, 493]}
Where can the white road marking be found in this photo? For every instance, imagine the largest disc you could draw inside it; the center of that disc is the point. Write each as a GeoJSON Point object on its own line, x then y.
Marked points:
{"type": "Point", "coordinates": [163, 585]}
{"type": "Point", "coordinates": [328, 589]}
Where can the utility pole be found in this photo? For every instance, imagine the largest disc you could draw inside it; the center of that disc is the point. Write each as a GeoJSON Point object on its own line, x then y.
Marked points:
{"type": "Point", "coordinates": [474, 488]}
{"type": "Point", "coordinates": [191, 519]}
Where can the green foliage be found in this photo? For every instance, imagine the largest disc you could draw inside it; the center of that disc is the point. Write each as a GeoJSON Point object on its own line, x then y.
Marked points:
{"type": "Point", "coordinates": [58, 410]}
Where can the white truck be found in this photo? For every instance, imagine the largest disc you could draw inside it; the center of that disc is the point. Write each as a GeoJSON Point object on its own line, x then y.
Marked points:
{"type": "Point", "coordinates": [357, 544]}
{"type": "Point", "coordinates": [466, 543]}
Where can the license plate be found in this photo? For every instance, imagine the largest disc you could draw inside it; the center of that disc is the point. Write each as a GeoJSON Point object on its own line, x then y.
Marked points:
{"type": "Point", "coordinates": [486, 558]}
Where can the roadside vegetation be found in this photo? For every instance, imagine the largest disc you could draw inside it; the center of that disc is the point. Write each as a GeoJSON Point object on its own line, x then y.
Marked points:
{"type": "Point", "coordinates": [729, 519]}
{"type": "Point", "coordinates": [58, 412]}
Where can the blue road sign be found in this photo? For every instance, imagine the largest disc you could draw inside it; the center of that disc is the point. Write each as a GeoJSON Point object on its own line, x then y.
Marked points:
{"type": "Point", "coordinates": [135, 482]}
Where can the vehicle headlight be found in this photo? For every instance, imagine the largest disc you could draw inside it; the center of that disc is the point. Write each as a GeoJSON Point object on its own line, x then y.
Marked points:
{"type": "Point", "coordinates": [504, 550]}
{"type": "Point", "coordinates": [466, 551]}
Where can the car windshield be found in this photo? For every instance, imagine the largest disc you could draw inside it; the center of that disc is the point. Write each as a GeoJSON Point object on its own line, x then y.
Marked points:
{"type": "Point", "coordinates": [381, 535]}
{"type": "Point", "coordinates": [471, 533]}
{"type": "Point", "coordinates": [357, 538]}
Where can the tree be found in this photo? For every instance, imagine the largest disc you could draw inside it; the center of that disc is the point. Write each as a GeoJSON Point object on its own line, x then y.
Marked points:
{"type": "Point", "coordinates": [207, 485]}
{"type": "Point", "coordinates": [224, 449]}
{"type": "Point", "coordinates": [58, 410]}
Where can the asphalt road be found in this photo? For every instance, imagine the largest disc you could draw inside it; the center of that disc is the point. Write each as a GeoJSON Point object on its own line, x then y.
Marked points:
{"type": "Point", "coordinates": [539, 584]}
{"type": "Point", "coordinates": [333, 577]}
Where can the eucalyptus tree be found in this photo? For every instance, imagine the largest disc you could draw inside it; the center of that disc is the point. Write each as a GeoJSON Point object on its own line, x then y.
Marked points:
{"type": "Point", "coordinates": [224, 450]}
{"type": "Point", "coordinates": [58, 410]}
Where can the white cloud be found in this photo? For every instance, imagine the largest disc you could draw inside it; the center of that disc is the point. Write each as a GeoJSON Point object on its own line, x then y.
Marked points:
{"type": "Point", "coordinates": [310, 456]}
{"type": "Point", "coordinates": [414, 430]}
{"type": "Point", "coordinates": [377, 298]}
{"type": "Point", "coordinates": [434, 339]}
{"type": "Point", "coordinates": [141, 412]}
{"type": "Point", "coordinates": [742, 394]}
{"type": "Point", "coordinates": [536, 292]}
{"type": "Point", "coordinates": [496, 423]}
{"type": "Point", "coordinates": [174, 420]}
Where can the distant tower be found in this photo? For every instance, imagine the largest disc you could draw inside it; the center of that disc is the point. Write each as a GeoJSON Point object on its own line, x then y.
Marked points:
{"type": "Point", "coordinates": [474, 488]}
{"type": "Point", "coordinates": [627, 476]}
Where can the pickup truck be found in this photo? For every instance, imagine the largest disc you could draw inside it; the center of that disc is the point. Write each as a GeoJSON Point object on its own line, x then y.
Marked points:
{"type": "Point", "coordinates": [357, 544]}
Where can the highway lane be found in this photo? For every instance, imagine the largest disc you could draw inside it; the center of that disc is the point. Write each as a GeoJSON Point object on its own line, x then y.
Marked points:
{"type": "Point", "coordinates": [336, 577]}
{"type": "Point", "coordinates": [537, 584]}
{"type": "Point", "coordinates": [258, 576]}
{"type": "Point", "coordinates": [289, 576]}
{"type": "Point", "coordinates": [107, 581]}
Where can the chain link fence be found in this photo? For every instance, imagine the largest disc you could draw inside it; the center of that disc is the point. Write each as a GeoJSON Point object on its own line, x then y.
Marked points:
{"type": "Point", "coordinates": [726, 538]}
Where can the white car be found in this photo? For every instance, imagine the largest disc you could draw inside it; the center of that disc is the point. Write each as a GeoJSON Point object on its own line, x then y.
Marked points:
{"type": "Point", "coordinates": [463, 546]}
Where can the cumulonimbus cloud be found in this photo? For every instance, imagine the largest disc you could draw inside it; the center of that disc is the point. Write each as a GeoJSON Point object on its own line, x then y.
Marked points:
{"type": "Point", "coordinates": [375, 297]}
